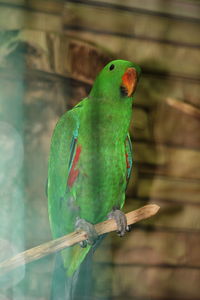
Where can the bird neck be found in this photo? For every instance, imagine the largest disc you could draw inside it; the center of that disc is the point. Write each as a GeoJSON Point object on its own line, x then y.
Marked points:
{"type": "Point", "coordinates": [106, 121]}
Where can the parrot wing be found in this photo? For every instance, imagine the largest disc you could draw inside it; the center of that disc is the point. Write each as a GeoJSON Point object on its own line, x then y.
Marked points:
{"type": "Point", "coordinates": [129, 159]}
{"type": "Point", "coordinates": [62, 173]}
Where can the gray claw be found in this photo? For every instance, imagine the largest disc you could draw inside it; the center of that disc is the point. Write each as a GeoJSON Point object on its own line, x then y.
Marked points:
{"type": "Point", "coordinates": [83, 244]}
{"type": "Point", "coordinates": [89, 228]}
{"type": "Point", "coordinates": [121, 221]}
{"type": "Point", "coordinates": [128, 228]}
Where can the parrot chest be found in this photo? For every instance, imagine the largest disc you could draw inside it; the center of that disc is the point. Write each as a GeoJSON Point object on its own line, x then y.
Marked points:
{"type": "Point", "coordinates": [101, 182]}
{"type": "Point", "coordinates": [100, 163]}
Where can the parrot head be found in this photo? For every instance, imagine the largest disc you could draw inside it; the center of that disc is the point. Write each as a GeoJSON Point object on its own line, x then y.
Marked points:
{"type": "Point", "coordinates": [117, 80]}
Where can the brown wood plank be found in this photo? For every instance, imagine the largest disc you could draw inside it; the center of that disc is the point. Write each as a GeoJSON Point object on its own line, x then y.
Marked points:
{"type": "Point", "coordinates": [21, 18]}
{"type": "Point", "coordinates": [168, 188]}
{"type": "Point", "coordinates": [130, 22]}
{"type": "Point", "coordinates": [170, 8]}
{"type": "Point", "coordinates": [69, 57]}
{"type": "Point", "coordinates": [146, 53]}
{"type": "Point", "coordinates": [55, 54]}
{"type": "Point", "coordinates": [154, 89]}
{"type": "Point", "coordinates": [156, 248]}
{"type": "Point", "coordinates": [50, 6]}
{"type": "Point", "coordinates": [168, 161]}
{"type": "Point", "coordinates": [156, 282]}
{"type": "Point", "coordinates": [147, 282]}
{"type": "Point", "coordinates": [172, 215]}
{"type": "Point", "coordinates": [178, 128]}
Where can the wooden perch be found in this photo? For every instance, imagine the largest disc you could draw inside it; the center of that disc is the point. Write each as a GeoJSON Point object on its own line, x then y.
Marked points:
{"type": "Point", "coordinates": [74, 238]}
{"type": "Point", "coordinates": [186, 108]}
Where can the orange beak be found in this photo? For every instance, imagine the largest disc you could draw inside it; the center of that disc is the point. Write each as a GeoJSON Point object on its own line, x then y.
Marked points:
{"type": "Point", "coordinates": [129, 81]}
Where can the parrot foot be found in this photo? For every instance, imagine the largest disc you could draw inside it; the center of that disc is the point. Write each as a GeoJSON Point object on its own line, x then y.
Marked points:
{"type": "Point", "coordinates": [82, 224]}
{"type": "Point", "coordinates": [120, 220]}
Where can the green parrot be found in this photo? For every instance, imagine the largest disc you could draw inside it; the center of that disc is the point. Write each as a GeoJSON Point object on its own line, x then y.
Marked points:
{"type": "Point", "coordinates": [90, 163]}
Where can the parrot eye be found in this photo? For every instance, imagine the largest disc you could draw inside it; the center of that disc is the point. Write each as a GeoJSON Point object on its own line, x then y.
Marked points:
{"type": "Point", "coordinates": [112, 67]}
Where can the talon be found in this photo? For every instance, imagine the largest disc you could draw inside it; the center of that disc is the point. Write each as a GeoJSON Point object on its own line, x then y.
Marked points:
{"type": "Point", "coordinates": [120, 234]}
{"type": "Point", "coordinates": [128, 228]}
{"type": "Point", "coordinates": [83, 244]}
{"type": "Point", "coordinates": [120, 220]}
{"type": "Point", "coordinates": [89, 229]}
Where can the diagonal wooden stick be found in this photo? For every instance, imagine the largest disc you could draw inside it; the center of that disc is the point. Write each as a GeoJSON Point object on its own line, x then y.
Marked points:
{"type": "Point", "coordinates": [186, 108]}
{"type": "Point", "coordinates": [74, 238]}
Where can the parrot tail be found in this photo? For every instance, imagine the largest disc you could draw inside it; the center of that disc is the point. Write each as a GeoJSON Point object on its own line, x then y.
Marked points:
{"type": "Point", "coordinates": [75, 287]}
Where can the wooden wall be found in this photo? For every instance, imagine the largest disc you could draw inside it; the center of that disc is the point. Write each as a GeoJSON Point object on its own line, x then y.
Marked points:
{"type": "Point", "coordinates": [63, 46]}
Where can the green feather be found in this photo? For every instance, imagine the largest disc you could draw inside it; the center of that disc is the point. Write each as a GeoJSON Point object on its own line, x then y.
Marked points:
{"type": "Point", "coordinates": [101, 122]}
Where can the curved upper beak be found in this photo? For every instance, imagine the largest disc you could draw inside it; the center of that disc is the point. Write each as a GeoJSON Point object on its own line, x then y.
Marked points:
{"type": "Point", "coordinates": [129, 81]}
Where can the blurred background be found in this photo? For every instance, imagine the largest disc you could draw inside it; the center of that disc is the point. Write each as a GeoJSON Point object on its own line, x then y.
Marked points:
{"type": "Point", "coordinates": [50, 53]}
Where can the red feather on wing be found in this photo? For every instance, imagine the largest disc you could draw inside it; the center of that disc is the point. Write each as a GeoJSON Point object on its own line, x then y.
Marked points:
{"type": "Point", "coordinates": [74, 171]}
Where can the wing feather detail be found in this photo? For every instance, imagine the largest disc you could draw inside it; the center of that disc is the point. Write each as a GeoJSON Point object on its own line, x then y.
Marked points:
{"type": "Point", "coordinates": [74, 171]}
{"type": "Point", "coordinates": [129, 159]}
